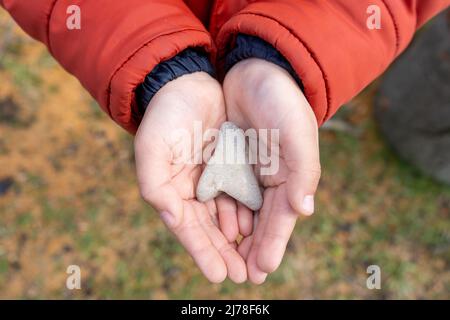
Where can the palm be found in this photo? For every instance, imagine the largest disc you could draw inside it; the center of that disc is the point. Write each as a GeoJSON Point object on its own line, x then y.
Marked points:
{"type": "Point", "coordinates": [268, 98]}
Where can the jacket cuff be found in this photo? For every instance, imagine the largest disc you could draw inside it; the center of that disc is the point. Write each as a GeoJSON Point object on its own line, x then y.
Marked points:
{"type": "Point", "coordinates": [253, 47]}
{"type": "Point", "coordinates": [186, 62]}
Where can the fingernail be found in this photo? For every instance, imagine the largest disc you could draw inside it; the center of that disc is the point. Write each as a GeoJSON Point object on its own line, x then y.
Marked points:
{"type": "Point", "coordinates": [308, 205]}
{"type": "Point", "coordinates": [168, 218]}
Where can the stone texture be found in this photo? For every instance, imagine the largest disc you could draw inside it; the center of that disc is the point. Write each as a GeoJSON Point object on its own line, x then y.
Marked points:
{"type": "Point", "coordinates": [229, 171]}
{"type": "Point", "coordinates": [413, 104]}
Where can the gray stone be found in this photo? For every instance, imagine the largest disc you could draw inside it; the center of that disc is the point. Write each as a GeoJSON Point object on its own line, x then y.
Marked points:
{"type": "Point", "coordinates": [229, 170]}
{"type": "Point", "coordinates": [413, 103]}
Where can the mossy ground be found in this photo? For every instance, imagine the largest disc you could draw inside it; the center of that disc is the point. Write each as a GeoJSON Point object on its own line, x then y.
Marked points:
{"type": "Point", "coordinates": [68, 195]}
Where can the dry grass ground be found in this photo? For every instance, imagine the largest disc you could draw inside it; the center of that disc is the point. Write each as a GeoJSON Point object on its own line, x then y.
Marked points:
{"type": "Point", "coordinates": [68, 195]}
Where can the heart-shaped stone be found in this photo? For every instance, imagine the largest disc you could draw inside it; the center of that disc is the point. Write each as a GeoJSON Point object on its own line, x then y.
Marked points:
{"type": "Point", "coordinates": [229, 170]}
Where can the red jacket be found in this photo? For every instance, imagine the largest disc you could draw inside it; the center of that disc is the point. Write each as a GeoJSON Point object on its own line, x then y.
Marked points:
{"type": "Point", "coordinates": [327, 43]}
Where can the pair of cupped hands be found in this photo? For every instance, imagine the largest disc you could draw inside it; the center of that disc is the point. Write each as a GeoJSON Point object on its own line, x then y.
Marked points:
{"type": "Point", "coordinates": [255, 94]}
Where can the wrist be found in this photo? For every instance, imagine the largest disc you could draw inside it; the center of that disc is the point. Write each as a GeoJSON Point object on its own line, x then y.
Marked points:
{"type": "Point", "coordinates": [256, 78]}
{"type": "Point", "coordinates": [259, 86]}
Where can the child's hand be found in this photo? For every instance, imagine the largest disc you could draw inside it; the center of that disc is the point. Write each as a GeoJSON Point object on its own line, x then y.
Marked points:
{"type": "Point", "coordinates": [168, 183]}
{"type": "Point", "coordinates": [261, 95]}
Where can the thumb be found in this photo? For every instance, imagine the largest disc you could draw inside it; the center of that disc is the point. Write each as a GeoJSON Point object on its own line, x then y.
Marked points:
{"type": "Point", "coordinates": [155, 183]}
{"type": "Point", "coordinates": [301, 188]}
{"type": "Point", "coordinates": [301, 144]}
{"type": "Point", "coordinates": [168, 203]}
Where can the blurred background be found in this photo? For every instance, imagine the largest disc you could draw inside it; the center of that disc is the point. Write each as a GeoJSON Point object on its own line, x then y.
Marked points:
{"type": "Point", "coordinates": [68, 195]}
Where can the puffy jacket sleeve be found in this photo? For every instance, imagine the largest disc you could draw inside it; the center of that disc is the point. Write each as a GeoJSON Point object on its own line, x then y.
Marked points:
{"type": "Point", "coordinates": [118, 44]}
{"type": "Point", "coordinates": [328, 43]}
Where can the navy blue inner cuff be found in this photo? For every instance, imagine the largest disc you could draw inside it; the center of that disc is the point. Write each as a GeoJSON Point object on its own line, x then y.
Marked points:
{"type": "Point", "coordinates": [253, 47]}
{"type": "Point", "coordinates": [188, 61]}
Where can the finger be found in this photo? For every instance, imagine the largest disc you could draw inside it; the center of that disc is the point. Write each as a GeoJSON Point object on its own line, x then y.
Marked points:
{"type": "Point", "coordinates": [301, 155]}
{"type": "Point", "coordinates": [246, 243]}
{"type": "Point", "coordinates": [255, 274]}
{"type": "Point", "coordinates": [154, 177]}
{"type": "Point", "coordinates": [198, 244]}
{"type": "Point", "coordinates": [245, 219]}
{"type": "Point", "coordinates": [244, 247]}
{"type": "Point", "coordinates": [212, 210]}
{"type": "Point", "coordinates": [301, 188]}
{"type": "Point", "coordinates": [280, 224]}
{"type": "Point", "coordinates": [237, 271]}
{"type": "Point", "coordinates": [228, 221]}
